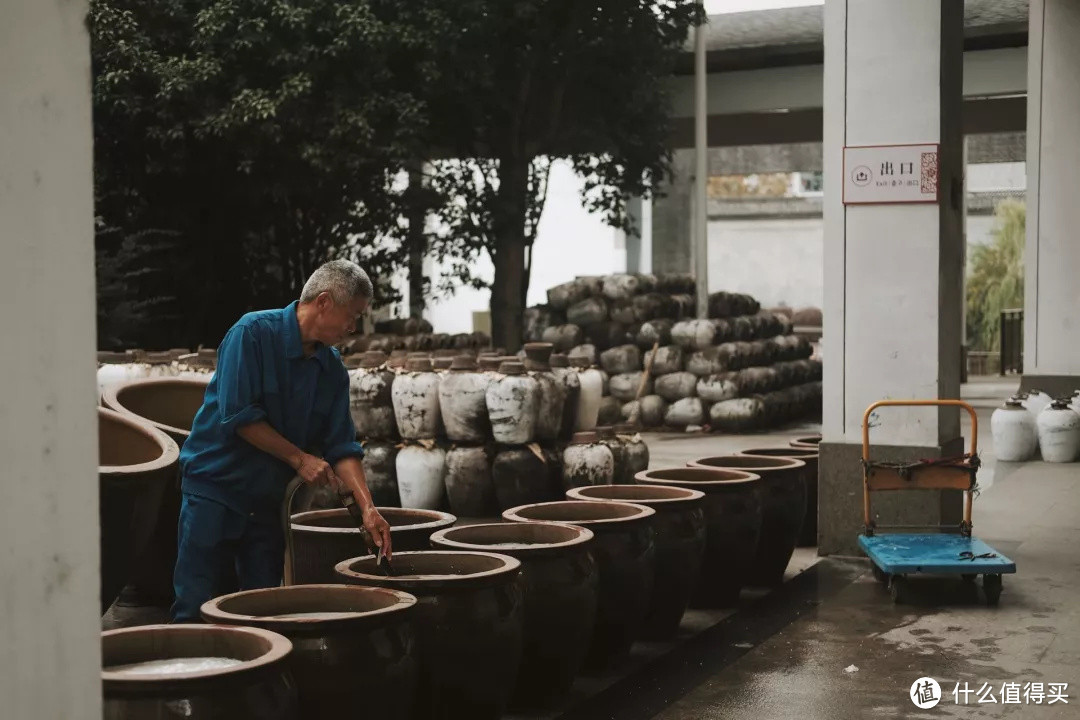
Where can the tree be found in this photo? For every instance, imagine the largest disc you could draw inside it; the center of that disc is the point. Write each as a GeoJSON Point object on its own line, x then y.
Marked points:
{"type": "Point", "coordinates": [521, 83]}
{"type": "Point", "coordinates": [996, 280]}
{"type": "Point", "coordinates": [257, 138]}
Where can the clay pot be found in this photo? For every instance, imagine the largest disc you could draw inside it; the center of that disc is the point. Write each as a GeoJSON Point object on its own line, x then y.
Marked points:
{"type": "Point", "coordinates": [810, 442]}
{"type": "Point", "coordinates": [137, 463]}
{"type": "Point", "coordinates": [808, 536]}
{"type": "Point", "coordinates": [169, 404]}
{"type": "Point", "coordinates": [571, 383]}
{"type": "Point", "coordinates": [520, 476]}
{"type": "Point", "coordinates": [469, 625]}
{"type": "Point", "coordinates": [637, 453]}
{"type": "Point", "coordinates": [323, 538]}
{"type": "Point", "coordinates": [587, 461]}
{"type": "Point", "coordinates": [625, 552]}
{"type": "Point", "coordinates": [783, 506]}
{"type": "Point", "coordinates": [380, 469]}
{"type": "Point", "coordinates": [260, 687]}
{"type": "Point", "coordinates": [561, 583]}
{"type": "Point", "coordinates": [364, 646]}
{"type": "Point", "coordinates": [370, 398]}
{"type": "Point", "coordinates": [421, 473]}
{"type": "Point", "coordinates": [415, 394]}
{"type": "Point", "coordinates": [470, 489]}
{"type": "Point", "coordinates": [463, 402]}
{"type": "Point", "coordinates": [549, 414]}
{"type": "Point", "coordinates": [591, 395]}
{"type": "Point", "coordinates": [732, 508]}
{"type": "Point", "coordinates": [605, 434]}
{"type": "Point", "coordinates": [679, 524]}
{"type": "Point", "coordinates": [513, 402]}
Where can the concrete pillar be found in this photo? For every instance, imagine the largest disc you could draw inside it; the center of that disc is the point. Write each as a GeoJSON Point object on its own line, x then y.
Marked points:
{"type": "Point", "coordinates": [672, 249]}
{"type": "Point", "coordinates": [50, 654]}
{"type": "Point", "coordinates": [893, 273]}
{"type": "Point", "coordinates": [1052, 258]}
{"type": "Point", "coordinates": [634, 240]}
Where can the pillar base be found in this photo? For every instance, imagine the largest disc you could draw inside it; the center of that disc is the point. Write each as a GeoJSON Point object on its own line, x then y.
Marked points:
{"type": "Point", "coordinates": [1053, 385]}
{"type": "Point", "coordinates": [840, 495]}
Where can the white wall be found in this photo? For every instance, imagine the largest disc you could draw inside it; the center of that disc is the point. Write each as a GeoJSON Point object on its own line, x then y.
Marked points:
{"type": "Point", "coordinates": [775, 260]}
{"type": "Point", "coordinates": [50, 624]}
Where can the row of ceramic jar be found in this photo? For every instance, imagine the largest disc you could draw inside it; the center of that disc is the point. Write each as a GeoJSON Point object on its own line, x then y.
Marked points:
{"type": "Point", "coordinates": [117, 367]}
{"type": "Point", "coordinates": [1033, 423]}
{"type": "Point", "coordinates": [499, 615]}
{"type": "Point", "coordinates": [483, 480]}
{"type": "Point", "coordinates": [475, 400]}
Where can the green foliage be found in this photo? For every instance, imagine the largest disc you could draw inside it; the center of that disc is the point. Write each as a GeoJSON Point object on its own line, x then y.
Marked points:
{"type": "Point", "coordinates": [996, 278]}
{"type": "Point", "coordinates": [263, 136]}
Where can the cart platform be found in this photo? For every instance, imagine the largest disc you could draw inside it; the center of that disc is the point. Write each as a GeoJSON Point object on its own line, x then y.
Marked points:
{"type": "Point", "coordinates": [934, 553]}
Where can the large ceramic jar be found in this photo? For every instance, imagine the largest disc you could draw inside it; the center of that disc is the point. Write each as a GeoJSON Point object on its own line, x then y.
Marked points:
{"type": "Point", "coordinates": [732, 508]}
{"type": "Point", "coordinates": [370, 399]}
{"type": "Point", "coordinates": [592, 392]}
{"type": "Point", "coordinates": [463, 402]}
{"type": "Point", "coordinates": [469, 618]}
{"type": "Point", "coordinates": [549, 416]}
{"type": "Point", "coordinates": [1035, 401]}
{"type": "Point", "coordinates": [607, 436]}
{"type": "Point", "coordinates": [783, 506]}
{"type": "Point", "coordinates": [1059, 433]}
{"type": "Point", "coordinates": [136, 464]}
{"type": "Point", "coordinates": [679, 524]}
{"type": "Point", "coordinates": [421, 471]}
{"type": "Point", "coordinates": [470, 489]}
{"type": "Point", "coordinates": [348, 642]}
{"type": "Point", "coordinates": [513, 402]}
{"type": "Point", "coordinates": [587, 461]}
{"type": "Point", "coordinates": [380, 470]}
{"type": "Point", "coordinates": [637, 453]}
{"type": "Point", "coordinates": [811, 442]}
{"type": "Point", "coordinates": [808, 536]}
{"type": "Point", "coordinates": [320, 539]}
{"type": "Point", "coordinates": [521, 476]}
{"type": "Point", "coordinates": [561, 585]}
{"type": "Point", "coordinates": [1015, 432]}
{"type": "Point", "coordinates": [560, 367]}
{"type": "Point", "coordinates": [203, 672]}
{"type": "Point", "coordinates": [416, 400]}
{"type": "Point", "coordinates": [625, 553]}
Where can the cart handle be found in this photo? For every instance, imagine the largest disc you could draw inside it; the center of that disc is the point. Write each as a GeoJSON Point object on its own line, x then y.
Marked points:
{"type": "Point", "coordinates": [918, 403]}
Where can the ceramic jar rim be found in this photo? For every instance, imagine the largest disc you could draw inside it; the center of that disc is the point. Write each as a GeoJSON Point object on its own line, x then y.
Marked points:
{"type": "Point", "coordinates": [782, 463]}
{"type": "Point", "coordinates": [437, 519]}
{"type": "Point", "coordinates": [722, 478]}
{"type": "Point", "coordinates": [584, 536]}
{"type": "Point", "coordinates": [170, 452]}
{"type": "Point", "coordinates": [509, 565]}
{"type": "Point", "coordinates": [643, 512]}
{"type": "Point", "coordinates": [111, 397]}
{"type": "Point", "coordinates": [692, 496]}
{"type": "Point", "coordinates": [213, 611]}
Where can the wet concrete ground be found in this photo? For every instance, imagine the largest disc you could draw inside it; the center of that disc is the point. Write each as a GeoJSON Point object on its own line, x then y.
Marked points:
{"type": "Point", "coordinates": [793, 653]}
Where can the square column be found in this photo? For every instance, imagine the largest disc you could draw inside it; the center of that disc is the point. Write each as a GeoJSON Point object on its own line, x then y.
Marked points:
{"type": "Point", "coordinates": [893, 272]}
{"type": "Point", "coordinates": [1052, 253]}
{"type": "Point", "coordinates": [51, 653]}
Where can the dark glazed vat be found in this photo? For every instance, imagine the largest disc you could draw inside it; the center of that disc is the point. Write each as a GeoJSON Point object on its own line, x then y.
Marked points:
{"type": "Point", "coordinates": [136, 462]}
{"type": "Point", "coordinates": [811, 442]}
{"type": "Point", "coordinates": [732, 507]}
{"type": "Point", "coordinates": [364, 652]}
{"type": "Point", "coordinates": [808, 536]}
{"type": "Point", "coordinates": [260, 688]}
{"type": "Point", "coordinates": [783, 506]}
{"type": "Point", "coordinates": [625, 553]}
{"type": "Point", "coordinates": [170, 405]}
{"type": "Point", "coordinates": [561, 583]}
{"type": "Point", "coordinates": [320, 539]}
{"type": "Point", "coordinates": [469, 626]}
{"type": "Point", "coordinates": [679, 524]}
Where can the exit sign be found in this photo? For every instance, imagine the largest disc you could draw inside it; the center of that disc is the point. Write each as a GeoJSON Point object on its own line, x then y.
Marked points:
{"type": "Point", "coordinates": [885, 174]}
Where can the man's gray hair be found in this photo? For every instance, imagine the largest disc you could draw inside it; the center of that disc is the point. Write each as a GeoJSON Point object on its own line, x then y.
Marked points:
{"type": "Point", "coordinates": [343, 279]}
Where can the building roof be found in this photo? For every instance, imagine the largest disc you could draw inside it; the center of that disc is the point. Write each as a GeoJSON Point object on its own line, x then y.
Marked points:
{"type": "Point", "coordinates": [795, 36]}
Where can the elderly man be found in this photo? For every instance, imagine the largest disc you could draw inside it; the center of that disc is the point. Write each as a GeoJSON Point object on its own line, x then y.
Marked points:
{"type": "Point", "coordinates": [277, 406]}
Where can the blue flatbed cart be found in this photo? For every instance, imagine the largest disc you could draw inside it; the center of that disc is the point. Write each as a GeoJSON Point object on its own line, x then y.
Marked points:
{"type": "Point", "coordinates": [951, 550]}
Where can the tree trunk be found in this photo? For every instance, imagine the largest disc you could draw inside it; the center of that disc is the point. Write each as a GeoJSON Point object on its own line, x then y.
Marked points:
{"type": "Point", "coordinates": [510, 284]}
{"type": "Point", "coordinates": [417, 242]}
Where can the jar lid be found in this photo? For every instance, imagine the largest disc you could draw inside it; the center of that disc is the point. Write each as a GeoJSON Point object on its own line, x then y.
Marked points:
{"type": "Point", "coordinates": [442, 363]}
{"type": "Point", "coordinates": [580, 362]}
{"type": "Point", "coordinates": [558, 360]}
{"type": "Point", "coordinates": [625, 429]}
{"type": "Point", "coordinates": [372, 359]}
{"type": "Point", "coordinates": [511, 367]}
{"type": "Point", "coordinates": [463, 363]}
{"type": "Point", "coordinates": [419, 355]}
{"type": "Point", "coordinates": [605, 432]}
{"type": "Point", "coordinates": [583, 438]}
{"type": "Point", "coordinates": [418, 364]}
{"type": "Point", "coordinates": [489, 363]}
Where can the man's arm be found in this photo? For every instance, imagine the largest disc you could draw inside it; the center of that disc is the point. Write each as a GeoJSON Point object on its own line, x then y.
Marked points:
{"type": "Point", "coordinates": [311, 468]}
{"type": "Point", "coordinates": [350, 472]}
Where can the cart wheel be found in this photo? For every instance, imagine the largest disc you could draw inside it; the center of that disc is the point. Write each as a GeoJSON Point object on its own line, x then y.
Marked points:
{"type": "Point", "coordinates": [897, 588]}
{"type": "Point", "coordinates": [992, 589]}
{"type": "Point", "coordinates": [968, 577]}
{"type": "Point", "coordinates": [880, 575]}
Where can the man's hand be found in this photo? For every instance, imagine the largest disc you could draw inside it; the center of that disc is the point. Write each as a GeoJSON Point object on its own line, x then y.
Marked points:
{"type": "Point", "coordinates": [316, 471]}
{"type": "Point", "coordinates": [378, 529]}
